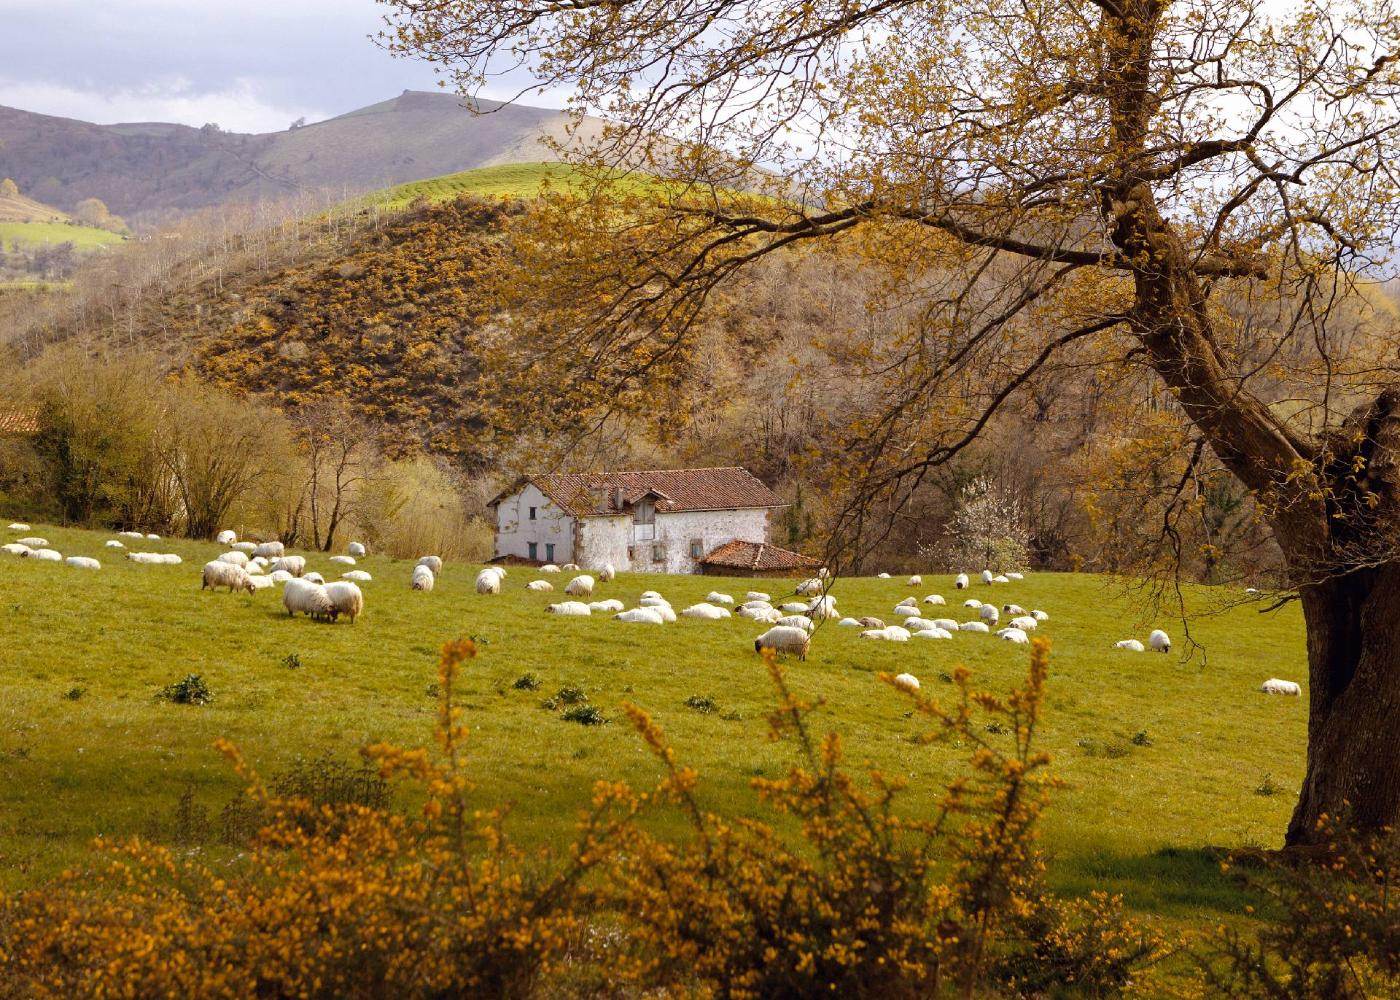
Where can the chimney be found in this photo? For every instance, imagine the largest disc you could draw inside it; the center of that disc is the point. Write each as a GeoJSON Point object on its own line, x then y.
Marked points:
{"type": "Point", "coordinates": [617, 498]}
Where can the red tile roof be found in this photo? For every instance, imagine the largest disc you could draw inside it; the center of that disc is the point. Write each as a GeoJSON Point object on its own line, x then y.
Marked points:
{"type": "Point", "coordinates": [600, 494]}
{"type": "Point", "coordinates": [758, 557]}
{"type": "Point", "coordinates": [19, 421]}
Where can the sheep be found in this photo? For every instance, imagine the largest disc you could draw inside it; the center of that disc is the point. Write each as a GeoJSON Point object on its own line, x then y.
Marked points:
{"type": "Point", "coordinates": [19, 526]}
{"type": "Point", "coordinates": [34, 543]}
{"type": "Point", "coordinates": [707, 611]}
{"type": "Point", "coordinates": [1015, 635]}
{"type": "Point", "coordinates": [973, 627]}
{"type": "Point", "coordinates": [356, 549]}
{"type": "Point", "coordinates": [751, 605]}
{"type": "Point", "coordinates": [261, 582]}
{"type": "Point", "coordinates": [796, 621]}
{"type": "Point", "coordinates": [1016, 576]}
{"type": "Point", "coordinates": [988, 613]}
{"type": "Point", "coordinates": [316, 578]}
{"type": "Point", "coordinates": [1275, 686]}
{"type": "Point", "coordinates": [891, 633]}
{"type": "Point", "coordinates": [112, 543]}
{"type": "Point", "coordinates": [272, 550]}
{"type": "Point", "coordinates": [653, 602]}
{"type": "Point", "coordinates": [667, 613]}
{"type": "Point", "coordinates": [346, 599]}
{"type": "Point", "coordinates": [536, 585]}
{"type": "Point", "coordinates": [433, 563]}
{"type": "Point", "coordinates": [909, 602]}
{"type": "Point", "coordinates": [947, 624]}
{"type": "Point", "coordinates": [850, 623]}
{"type": "Point", "coordinates": [358, 575]}
{"type": "Point", "coordinates": [784, 639]}
{"type": "Point", "coordinates": [882, 576]}
{"type": "Point", "coordinates": [580, 586]}
{"type": "Point", "coordinates": [755, 595]}
{"type": "Point", "coordinates": [906, 682]}
{"type": "Point", "coordinates": [915, 581]}
{"type": "Point", "coordinates": [640, 616]}
{"type": "Point", "coordinates": [715, 597]}
{"type": "Point", "coordinates": [570, 567]}
{"type": "Point", "coordinates": [218, 573]}
{"type": "Point", "coordinates": [1023, 622]}
{"type": "Point", "coordinates": [810, 588]}
{"type": "Point", "coordinates": [648, 593]}
{"type": "Point", "coordinates": [935, 599]}
{"type": "Point", "coordinates": [917, 624]}
{"type": "Point", "coordinates": [169, 559]}
{"type": "Point", "coordinates": [960, 581]}
{"type": "Point", "coordinates": [1001, 579]}
{"type": "Point", "coordinates": [793, 608]}
{"type": "Point", "coordinates": [16, 549]}
{"type": "Point", "coordinates": [308, 598]}
{"type": "Point", "coordinates": [154, 538]}
{"type": "Point", "coordinates": [144, 558]}
{"type": "Point", "coordinates": [295, 565]}
{"type": "Point", "coordinates": [868, 621]}
{"type": "Point", "coordinates": [611, 604]}
{"type": "Point", "coordinates": [972, 602]}
{"type": "Point", "coordinates": [1040, 616]}
{"type": "Point", "coordinates": [238, 559]}
{"type": "Point", "coordinates": [131, 534]}
{"type": "Point", "coordinates": [226, 537]}
{"type": "Point", "coordinates": [1132, 645]}
{"type": "Point", "coordinates": [280, 576]}
{"type": "Point", "coordinates": [768, 615]}
{"type": "Point", "coordinates": [987, 576]}
{"type": "Point", "coordinates": [488, 582]}
{"type": "Point", "coordinates": [606, 574]}
{"type": "Point", "coordinates": [906, 611]}
{"type": "Point", "coordinates": [573, 608]}
{"type": "Point", "coordinates": [83, 562]}
{"type": "Point", "coordinates": [1013, 609]}
{"type": "Point", "coordinates": [247, 547]}
{"type": "Point", "coordinates": [822, 607]}
{"type": "Point", "coordinates": [549, 568]}
{"type": "Point", "coordinates": [343, 560]}
{"type": "Point", "coordinates": [45, 555]}
{"type": "Point", "coordinates": [422, 579]}
{"type": "Point", "coordinates": [1159, 641]}
{"type": "Point", "coordinates": [261, 562]}
{"type": "Point", "coordinates": [933, 633]}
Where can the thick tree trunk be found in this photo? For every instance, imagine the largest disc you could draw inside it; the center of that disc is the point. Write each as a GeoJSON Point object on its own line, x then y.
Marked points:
{"type": "Point", "coordinates": [1354, 711]}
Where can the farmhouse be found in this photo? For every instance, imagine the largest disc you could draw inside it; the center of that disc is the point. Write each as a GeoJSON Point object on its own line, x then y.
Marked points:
{"type": "Point", "coordinates": [663, 521]}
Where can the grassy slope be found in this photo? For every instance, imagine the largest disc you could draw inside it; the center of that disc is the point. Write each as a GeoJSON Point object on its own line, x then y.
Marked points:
{"type": "Point", "coordinates": [517, 180]}
{"type": "Point", "coordinates": [37, 233]}
{"type": "Point", "coordinates": [107, 762]}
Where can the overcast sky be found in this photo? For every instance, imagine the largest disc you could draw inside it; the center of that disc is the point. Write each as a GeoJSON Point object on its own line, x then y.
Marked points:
{"type": "Point", "coordinates": [250, 65]}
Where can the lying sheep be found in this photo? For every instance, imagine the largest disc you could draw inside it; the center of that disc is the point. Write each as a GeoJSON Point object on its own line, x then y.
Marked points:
{"type": "Point", "coordinates": [295, 565]}
{"type": "Point", "coordinates": [343, 560]}
{"type": "Point", "coordinates": [346, 599]}
{"type": "Point", "coordinates": [715, 597]}
{"type": "Point", "coordinates": [1159, 641]}
{"type": "Point", "coordinates": [974, 627]}
{"type": "Point", "coordinates": [933, 633]}
{"type": "Point", "coordinates": [153, 537]}
{"type": "Point", "coordinates": [906, 682]}
{"type": "Point", "coordinates": [1132, 645]}
{"type": "Point", "coordinates": [890, 633]}
{"type": "Point", "coordinates": [1275, 686]}
{"type": "Point", "coordinates": [610, 605]}
{"type": "Point", "coordinates": [916, 623]}
{"type": "Point", "coordinates": [908, 602]}
{"type": "Point", "coordinates": [706, 611]}
{"type": "Point", "coordinates": [314, 578]}
{"type": "Point", "coordinates": [946, 623]}
{"type": "Point", "coordinates": [1040, 616]}
{"type": "Point", "coordinates": [961, 581]}
{"type": "Point", "coordinates": [358, 576]}
{"type": "Point", "coordinates": [239, 559]}
{"type": "Point", "coordinates": [793, 608]}
{"type": "Point", "coordinates": [272, 550]}
{"type": "Point", "coordinates": [433, 563]}
{"type": "Point", "coordinates": [19, 526]}
{"type": "Point", "coordinates": [112, 543]}
{"type": "Point", "coordinates": [606, 574]}
{"type": "Point", "coordinates": [768, 615]}
{"type": "Point", "coordinates": [16, 549]}
{"type": "Point", "coordinates": [796, 621]}
{"type": "Point", "coordinates": [308, 598]}
{"type": "Point", "coordinates": [1015, 635]}
{"type": "Point", "coordinates": [650, 600]}
{"type": "Point", "coordinates": [226, 537]}
{"type": "Point", "coordinates": [422, 579]}
{"type": "Point", "coordinates": [356, 549]}
{"type": "Point", "coordinates": [906, 611]}
{"type": "Point", "coordinates": [1013, 609]}
{"type": "Point", "coordinates": [1016, 576]}
{"type": "Point", "coordinates": [488, 582]}
{"type": "Point", "coordinates": [549, 568]}
{"type": "Point", "coordinates": [972, 602]}
{"type": "Point", "coordinates": [755, 595]}
{"type": "Point", "coordinates": [1023, 622]}
{"type": "Point", "coordinates": [83, 562]}
{"type": "Point", "coordinates": [261, 582]}
{"type": "Point", "coordinates": [641, 616]}
{"type": "Point", "coordinates": [44, 555]}
{"type": "Point", "coordinates": [218, 573]}
{"type": "Point", "coordinates": [868, 621]}
{"type": "Point", "coordinates": [882, 576]}
{"type": "Point", "coordinates": [935, 599]}
{"type": "Point", "coordinates": [648, 593]}
{"type": "Point", "coordinates": [144, 558]}
{"type": "Point", "coordinates": [280, 576]}
{"type": "Point", "coordinates": [751, 605]}
{"type": "Point", "coordinates": [569, 608]}
{"type": "Point", "coordinates": [131, 534]}
{"type": "Point", "coordinates": [850, 623]}
{"type": "Point", "coordinates": [33, 543]}
{"type": "Point", "coordinates": [784, 639]}
{"type": "Point", "coordinates": [570, 567]}
{"type": "Point", "coordinates": [1001, 579]}
{"type": "Point", "coordinates": [580, 586]}
{"type": "Point", "coordinates": [540, 586]}
{"type": "Point", "coordinates": [169, 559]}
{"type": "Point", "coordinates": [259, 562]}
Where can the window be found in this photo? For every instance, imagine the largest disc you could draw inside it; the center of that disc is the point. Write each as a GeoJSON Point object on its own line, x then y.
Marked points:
{"type": "Point", "coordinates": [549, 552]}
{"type": "Point", "coordinates": [645, 513]}
{"type": "Point", "coordinates": [534, 550]}
{"type": "Point", "coordinates": [658, 554]}
{"type": "Point", "coordinates": [532, 512]}
{"type": "Point", "coordinates": [697, 548]}
{"type": "Point", "coordinates": [631, 552]}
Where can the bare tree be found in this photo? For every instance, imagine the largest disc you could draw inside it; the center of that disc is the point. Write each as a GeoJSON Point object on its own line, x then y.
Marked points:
{"type": "Point", "coordinates": [342, 462]}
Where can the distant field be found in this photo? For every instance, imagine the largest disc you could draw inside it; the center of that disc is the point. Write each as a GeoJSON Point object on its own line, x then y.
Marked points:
{"type": "Point", "coordinates": [1135, 814]}
{"type": "Point", "coordinates": [32, 234]}
{"type": "Point", "coordinates": [517, 180]}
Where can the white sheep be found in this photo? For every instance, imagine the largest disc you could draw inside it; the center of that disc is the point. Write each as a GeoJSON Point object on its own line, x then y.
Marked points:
{"type": "Point", "coordinates": [822, 607]}
{"type": "Point", "coordinates": [768, 615]}
{"type": "Point", "coordinates": [358, 575]}
{"type": "Point", "coordinates": [756, 595]}
{"type": "Point", "coordinates": [280, 576]}
{"type": "Point", "coordinates": [153, 537]}
{"type": "Point", "coordinates": [226, 537]}
{"type": "Point", "coordinates": [751, 605]}
{"type": "Point", "coordinates": [987, 576]}
{"type": "Point", "coordinates": [239, 559]}
{"type": "Point", "coordinates": [1001, 579]}
{"type": "Point", "coordinates": [570, 567]}
{"type": "Point", "coordinates": [611, 604]}
{"type": "Point", "coordinates": [19, 526]}
{"type": "Point", "coordinates": [648, 593]}
{"type": "Point", "coordinates": [343, 560]}
{"type": "Point", "coordinates": [218, 573]}
{"type": "Point", "coordinates": [316, 578]}
{"type": "Point", "coordinates": [906, 682]}
{"type": "Point", "coordinates": [580, 586]}
{"type": "Point", "coordinates": [308, 598]}
{"type": "Point", "coordinates": [882, 576]}
{"type": "Point", "coordinates": [143, 558]}
{"type": "Point", "coordinates": [916, 581]}
{"type": "Point", "coordinates": [549, 568]}
{"type": "Point", "coordinates": [33, 543]}
{"type": "Point", "coordinates": [641, 616]}
{"type": "Point", "coordinates": [653, 601]}
{"type": "Point", "coordinates": [422, 579]}
{"type": "Point", "coordinates": [295, 565]}
{"type": "Point", "coordinates": [796, 621]}
{"type": "Point", "coordinates": [1159, 641]}
{"type": "Point", "coordinates": [16, 549]}
{"type": "Point", "coordinates": [356, 549]}
{"type": "Point", "coordinates": [948, 624]}
{"type": "Point", "coordinates": [715, 597]}
{"type": "Point", "coordinates": [810, 588]}
{"type": "Point", "coordinates": [974, 627]}
{"type": "Point", "coordinates": [433, 563]}
{"type": "Point", "coordinates": [961, 581]}
{"type": "Point", "coordinates": [1275, 686]}
{"type": "Point", "coordinates": [1040, 616]}
{"type": "Point", "coordinates": [909, 602]}
{"type": "Point", "coordinates": [131, 534]}
{"type": "Point", "coordinates": [248, 547]}
{"type": "Point", "coordinates": [850, 623]}
{"type": "Point", "coordinates": [972, 602]}
{"type": "Point", "coordinates": [606, 574]}
{"type": "Point", "coordinates": [667, 613]}
{"type": "Point", "coordinates": [988, 613]}
{"type": "Point", "coordinates": [261, 582]}
{"type": "Point", "coordinates": [169, 559]}
{"type": "Point", "coordinates": [272, 550]}
{"type": "Point", "coordinates": [784, 639]}
{"type": "Point", "coordinates": [1016, 576]}
{"type": "Point", "coordinates": [906, 611]}
{"type": "Point", "coordinates": [488, 582]}
{"type": "Point", "coordinates": [935, 599]}
{"type": "Point", "coordinates": [933, 633]}
{"type": "Point", "coordinates": [112, 543]}
{"type": "Point", "coordinates": [706, 611]}
{"type": "Point", "coordinates": [45, 555]}
{"type": "Point", "coordinates": [1132, 645]}
{"type": "Point", "coordinates": [346, 599]}
{"type": "Point", "coordinates": [83, 562]}
{"type": "Point", "coordinates": [573, 608]}
{"type": "Point", "coordinates": [536, 585]}
{"type": "Point", "coordinates": [1023, 622]}
{"type": "Point", "coordinates": [793, 608]}
{"type": "Point", "coordinates": [890, 633]}
{"type": "Point", "coordinates": [261, 562]}
{"type": "Point", "coordinates": [1015, 635]}
{"type": "Point", "coordinates": [1013, 609]}
{"type": "Point", "coordinates": [916, 624]}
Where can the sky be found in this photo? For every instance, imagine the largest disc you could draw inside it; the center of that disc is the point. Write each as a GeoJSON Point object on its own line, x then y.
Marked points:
{"type": "Point", "coordinates": [249, 66]}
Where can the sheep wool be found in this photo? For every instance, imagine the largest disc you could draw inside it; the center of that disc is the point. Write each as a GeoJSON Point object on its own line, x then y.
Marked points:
{"type": "Point", "coordinates": [261, 582]}
{"type": "Point", "coordinates": [810, 588]}
{"type": "Point", "coordinates": [869, 621]}
{"type": "Point", "coordinates": [610, 605]}
{"type": "Point", "coordinates": [1159, 641]}
{"type": "Point", "coordinates": [715, 597]}
{"type": "Point", "coordinates": [949, 624]}
{"type": "Point", "coordinates": [1023, 622]}
{"type": "Point", "coordinates": [218, 573]}
{"type": "Point", "coordinates": [915, 581]}
{"type": "Point", "coordinates": [169, 559]}
{"type": "Point", "coordinates": [295, 565]}
{"type": "Point", "coordinates": [768, 615]}
{"type": "Point", "coordinates": [575, 608]}
{"type": "Point", "coordinates": [890, 633]}
{"type": "Point", "coordinates": [961, 581]}
{"type": "Point", "coordinates": [987, 576]}
{"type": "Point", "coordinates": [16, 549]}
{"type": "Point", "coordinates": [909, 602]}
{"type": "Point", "coordinates": [1013, 609]}
{"type": "Point", "coordinates": [882, 576]}
{"type": "Point", "coordinates": [974, 627]}
{"type": "Point", "coordinates": [19, 526]}
{"type": "Point", "coordinates": [1132, 645]}
{"type": "Point", "coordinates": [935, 599]}
{"type": "Point", "coordinates": [606, 574]}
{"type": "Point", "coordinates": [916, 624]}
{"type": "Point", "coordinates": [155, 537]}
{"type": "Point", "coordinates": [1001, 579]}
{"type": "Point", "coordinates": [906, 682]}
{"type": "Point", "coordinates": [422, 579]}
{"type": "Point", "coordinates": [850, 623]}
{"type": "Point", "coordinates": [652, 600]}
{"type": "Point", "coordinates": [579, 586]}
{"type": "Point", "coordinates": [570, 567]}
{"type": "Point", "coordinates": [538, 585]}
{"type": "Point", "coordinates": [433, 563]}
{"type": "Point", "coordinates": [34, 543]}
{"type": "Point", "coordinates": [308, 598]}
{"type": "Point", "coordinates": [131, 534]}
{"type": "Point", "coordinates": [488, 582]}
{"type": "Point", "coordinates": [280, 576]}
{"type": "Point", "coordinates": [822, 607]}
{"type": "Point", "coordinates": [933, 633]}
{"type": "Point", "coordinates": [358, 575]}
{"type": "Point", "coordinates": [112, 543]}
{"type": "Point", "coordinates": [1040, 616]}
{"type": "Point", "coordinates": [988, 613]}
{"type": "Point", "coordinates": [343, 560]}
{"type": "Point", "coordinates": [1016, 576]}
{"type": "Point", "coordinates": [346, 599]}
{"type": "Point", "coordinates": [754, 595]}
{"type": "Point", "coordinates": [549, 568]}
{"type": "Point", "coordinates": [314, 578]}
{"type": "Point", "coordinates": [972, 602]}
{"type": "Point", "coordinates": [45, 555]}
{"type": "Point", "coordinates": [272, 550]}
{"type": "Point", "coordinates": [226, 537]}
{"type": "Point", "coordinates": [1275, 686]}
{"type": "Point", "coordinates": [640, 616]}
{"type": "Point", "coordinates": [793, 608]}
{"type": "Point", "coordinates": [235, 559]}
{"type": "Point", "coordinates": [707, 611]}
{"type": "Point", "coordinates": [82, 562]}
{"type": "Point", "coordinates": [248, 547]}
{"type": "Point", "coordinates": [905, 611]}
{"type": "Point", "coordinates": [1015, 635]}
{"type": "Point", "coordinates": [784, 639]}
{"type": "Point", "coordinates": [356, 549]}
{"type": "Point", "coordinates": [796, 621]}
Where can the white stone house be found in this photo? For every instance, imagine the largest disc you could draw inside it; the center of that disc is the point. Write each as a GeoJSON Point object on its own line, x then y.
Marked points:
{"type": "Point", "coordinates": [662, 521]}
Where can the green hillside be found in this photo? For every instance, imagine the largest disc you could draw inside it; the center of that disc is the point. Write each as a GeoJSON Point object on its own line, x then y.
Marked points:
{"type": "Point", "coordinates": [17, 235]}
{"type": "Point", "coordinates": [512, 180]}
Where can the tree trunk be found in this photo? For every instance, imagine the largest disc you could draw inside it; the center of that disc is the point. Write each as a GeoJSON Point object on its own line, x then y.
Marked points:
{"type": "Point", "coordinates": [1354, 704]}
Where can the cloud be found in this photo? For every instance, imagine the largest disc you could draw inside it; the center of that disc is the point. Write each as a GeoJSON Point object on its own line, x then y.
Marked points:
{"type": "Point", "coordinates": [238, 107]}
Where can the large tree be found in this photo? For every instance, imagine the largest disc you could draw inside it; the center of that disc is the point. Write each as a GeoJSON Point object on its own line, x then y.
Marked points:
{"type": "Point", "coordinates": [1199, 182]}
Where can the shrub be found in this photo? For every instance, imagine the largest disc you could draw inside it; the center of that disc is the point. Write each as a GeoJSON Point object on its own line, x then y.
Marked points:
{"type": "Point", "coordinates": [1267, 785]}
{"type": "Point", "coordinates": [585, 715]}
{"type": "Point", "coordinates": [291, 661]}
{"type": "Point", "coordinates": [1141, 739]}
{"type": "Point", "coordinates": [75, 692]}
{"type": "Point", "coordinates": [702, 704]}
{"type": "Point", "coordinates": [526, 682]}
{"type": "Point", "coordinates": [191, 690]}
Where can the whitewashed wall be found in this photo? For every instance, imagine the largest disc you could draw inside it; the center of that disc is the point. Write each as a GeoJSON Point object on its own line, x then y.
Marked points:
{"type": "Point", "coordinates": [603, 540]}
{"type": "Point", "coordinates": [515, 531]}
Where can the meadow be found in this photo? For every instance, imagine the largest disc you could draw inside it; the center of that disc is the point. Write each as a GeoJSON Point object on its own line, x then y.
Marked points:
{"type": "Point", "coordinates": [1162, 755]}
{"type": "Point", "coordinates": [14, 235]}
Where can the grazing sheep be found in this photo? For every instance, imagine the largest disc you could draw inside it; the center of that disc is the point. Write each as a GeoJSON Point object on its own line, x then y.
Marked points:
{"type": "Point", "coordinates": [1132, 645]}
{"type": "Point", "coordinates": [1040, 616]}
{"type": "Point", "coordinates": [1016, 576]}
{"type": "Point", "coordinates": [906, 611]}
{"type": "Point", "coordinates": [249, 547]}
{"type": "Point", "coordinates": [314, 578]}
{"type": "Point", "coordinates": [822, 607]}
{"type": "Point", "coordinates": [793, 608]}
{"type": "Point", "coordinates": [915, 624]}
{"type": "Point", "coordinates": [933, 633]}
{"type": "Point", "coordinates": [19, 526]}
{"type": "Point", "coordinates": [575, 608]}
{"type": "Point", "coordinates": [356, 549]}
{"type": "Point", "coordinates": [934, 599]}
{"type": "Point", "coordinates": [715, 597]}
{"type": "Point", "coordinates": [33, 543]}
{"type": "Point", "coordinates": [810, 588]}
{"type": "Point", "coordinates": [308, 598]}
{"type": "Point", "coordinates": [112, 543]}
{"type": "Point", "coordinates": [606, 574]}
{"type": "Point", "coordinates": [272, 550]}
{"type": "Point", "coordinates": [83, 562]}
{"type": "Point", "coordinates": [961, 581]}
{"type": "Point", "coordinates": [784, 639]}
{"type": "Point", "coordinates": [882, 576]}
{"type": "Point", "coordinates": [988, 613]}
{"type": "Point", "coordinates": [1275, 686]}
{"type": "Point", "coordinates": [343, 560]}
{"type": "Point", "coordinates": [422, 579]}
{"type": "Point", "coordinates": [611, 604]}
{"type": "Point", "coordinates": [906, 682]}
{"type": "Point", "coordinates": [295, 565]}
{"type": "Point", "coordinates": [433, 563]}
{"type": "Point", "coordinates": [1023, 622]}
{"type": "Point", "coordinates": [972, 602]}
{"type": "Point", "coordinates": [850, 623]}
{"type": "Point", "coordinates": [707, 611]}
{"type": "Point", "coordinates": [218, 573]}
{"type": "Point", "coordinates": [580, 586]}
{"type": "Point", "coordinates": [549, 568]}
{"type": "Point", "coordinates": [1159, 641]}
{"type": "Point", "coordinates": [570, 567]}
{"type": "Point", "coordinates": [754, 595]}
{"type": "Point", "coordinates": [226, 537]}
{"type": "Point", "coordinates": [890, 633]}
{"type": "Point", "coordinates": [131, 534]}
{"type": "Point", "coordinates": [44, 555]}
{"type": "Point", "coordinates": [280, 576]}
{"type": "Point", "coordinates": [1001, 579]}
{"type": "Point", "coordinates": [796, 621]}
{"type": "Point", "coordinates": [768, 615]}
{"type": "Point", "coordinates": [235, 558]}
{"type": "Point", "coordinates": [1015, 635]}
{"type": "Point", "coordinates": [949, 624]}
{"type": "Point", "coordinates": [868, 621]}
{"type": "Point", "coordinates": [909, 602]}
{"type": "Point", "coordinates": [16, 549]}
{"type": "Point", "coordinates": [640, 616]}
{"type": "Point", "coordinates": [1013, 609]}
{"type": "Point", "coordinates": [358, 575]}
{"type": "Point", "coordinates": [538, 585]}
{"type": "Point", "coordinates": [915, 581]}
{"type": "Point", "coordinates": [261, 582]}
{"type": "Point", "coordinates": [169, 559]}
{"type": "Point", "coordinates": [260, 562]}
{"type": "Point", "coordinates": [488, 582]}
{"type": "Point", "coordinates": [987, 576]}
{"type": "Point", "coordinates": [346, 599]}
{"type": "Point", "coordinates": [974, 627]}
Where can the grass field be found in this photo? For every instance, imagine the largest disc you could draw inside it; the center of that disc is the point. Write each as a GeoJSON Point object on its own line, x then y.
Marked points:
{"type": "Point", "coordinates": [1133, 818]}
{"type": "Point", "coordinates": [14, 234]}
{"type": "Point", "coordinates": [514, 180]}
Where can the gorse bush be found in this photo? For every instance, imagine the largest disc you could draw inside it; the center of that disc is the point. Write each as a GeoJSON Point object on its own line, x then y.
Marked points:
{"type": "Point", "coordinates": [189, 690]}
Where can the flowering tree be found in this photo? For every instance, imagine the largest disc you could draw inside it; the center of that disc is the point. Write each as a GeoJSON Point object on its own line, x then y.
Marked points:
{"type": "Point", "coordinates": [988, 528]}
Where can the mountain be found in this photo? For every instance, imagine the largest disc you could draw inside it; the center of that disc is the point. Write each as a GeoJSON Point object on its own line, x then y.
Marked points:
{"type": "Point", "coordinates": [150, 170]}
